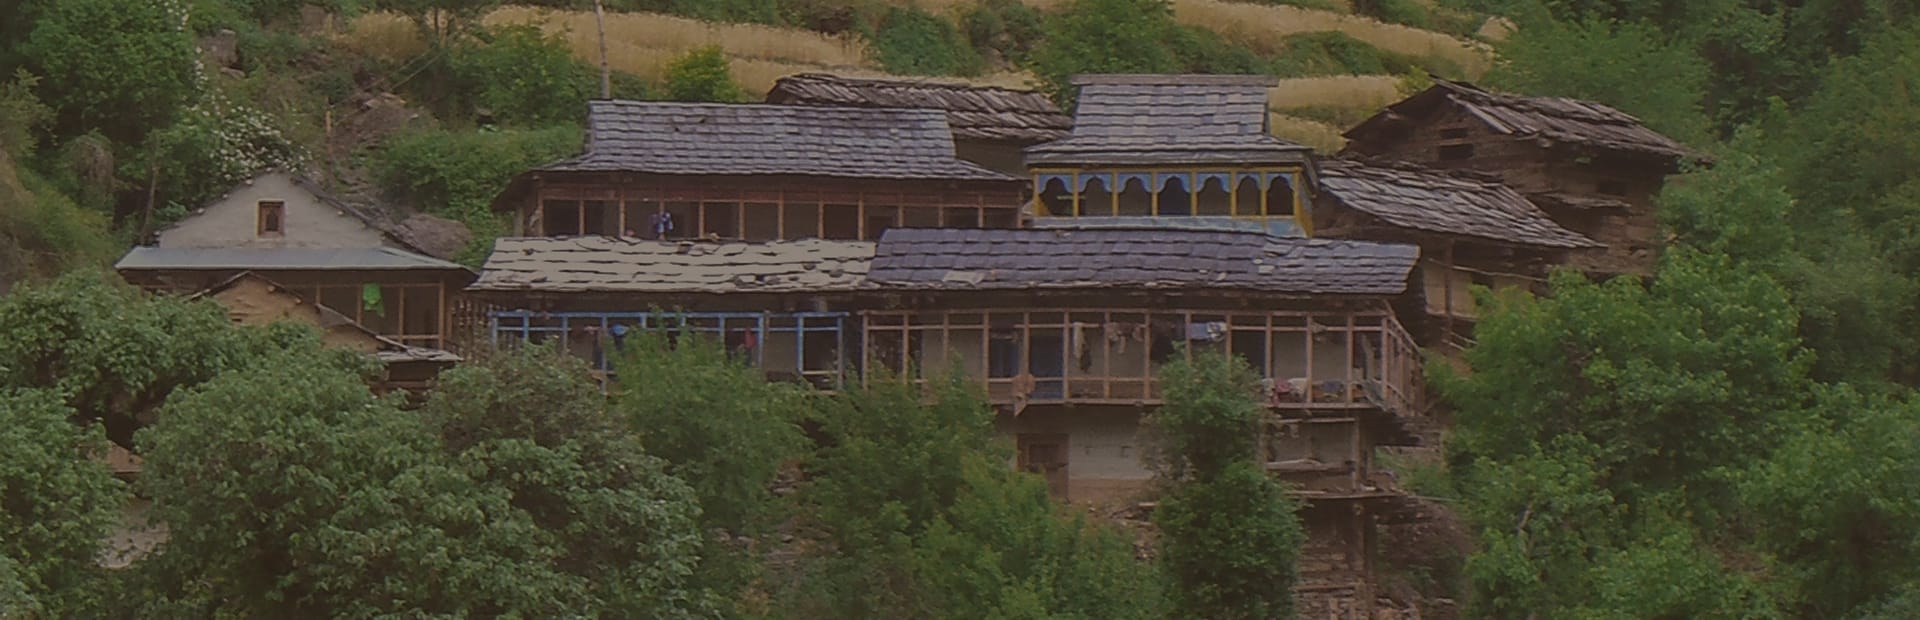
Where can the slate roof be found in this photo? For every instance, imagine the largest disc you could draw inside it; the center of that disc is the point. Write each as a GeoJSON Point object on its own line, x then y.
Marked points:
{"type": "Point", "coordinates": [305, 259]}
{"type": "Point", "coordinates": [934, 258]}
{"type": "Point", "coordinates": [754, 139]}
{"type": "Point", "coordinates": [973, 112]}
{"type": "Point", "coordinates": [1553, 118]}
{"type": "Point", "coordinates": [604, 264]}
{"type": "Point", "coordinates": [1169, 119]}
{"type": "Point", "coordinates": [1412, 197]}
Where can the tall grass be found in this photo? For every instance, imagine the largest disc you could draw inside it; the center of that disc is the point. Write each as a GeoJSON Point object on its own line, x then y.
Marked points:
{"type": "Point", "coordinates": [1321, 136]}
{"type": "Point", "coordinates": [1254, 22]}
{"type": "Point", "coordinates": [659, 31]}
{"type": "Point", "coordinates": [1339, 91]}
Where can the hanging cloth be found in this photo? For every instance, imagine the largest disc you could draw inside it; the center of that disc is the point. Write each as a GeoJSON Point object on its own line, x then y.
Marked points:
{"type": "Point", "coordinates": [370, 300]}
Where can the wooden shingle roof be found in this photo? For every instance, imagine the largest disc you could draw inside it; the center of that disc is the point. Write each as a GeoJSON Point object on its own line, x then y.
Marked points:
{"type": "Point", "coordinates": [1169, 119]}
{"type": "Point", "coordinates": [935, 258]}
{"type": "Point", "coordinates": [1557, 119]}
{"type": "Point", "coordinates": [731, 139]}
{"type": "Point", "coordinates": [973, 112]}
{"type": "Point", "coordinates": [603, 264]}
{"type": "Point", "coordinates": [1427, 200]}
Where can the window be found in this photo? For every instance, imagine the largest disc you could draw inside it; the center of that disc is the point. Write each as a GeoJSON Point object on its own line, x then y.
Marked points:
{"type": "Point", "coordinates": [561, 218]}
{"type": "Point", "coordinates": [1456, 152]}
{"type": "Point", "coordinates": [272, 218]}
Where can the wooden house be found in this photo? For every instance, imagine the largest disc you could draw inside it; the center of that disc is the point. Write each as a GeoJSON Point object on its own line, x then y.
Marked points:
{"type": "Point", "coordinates": [658, 170]}
{"type": "Point", "coordinates": [1592, 168]}
{"type": "Point", "coordinates": [252, 299]}
{"type": "Point", "coordinates": [284, 228]}
{"type": "Point", "coordinates": [991, 125]}
{"type": "Point", "coordinates": [1472, 231]}
{"type": "Point", "coordinates": [1172, 150]}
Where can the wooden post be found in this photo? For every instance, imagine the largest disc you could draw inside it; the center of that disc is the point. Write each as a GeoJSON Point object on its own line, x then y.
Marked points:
{"type": "Point", "coordinates": [1448, 288]}
{"type": "Point", "coordinates": [606, 74]}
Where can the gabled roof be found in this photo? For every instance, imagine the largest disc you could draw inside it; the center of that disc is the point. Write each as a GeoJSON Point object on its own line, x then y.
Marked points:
{"type": "Point", "coordinates": [973, 112]}
{"type": "Point", "coordinates": [1169, 119]}
{"type": "Point", "coordinates": [1553, 118]}
{"type": "Point", "coordinates": [313, 188]}
{"type": "Point", "coordinates": [604, 264]}
{"type": "Point", "coordinates": [933, 258]}
{"type": "Point", "coordinates": [755, 139]}
{"type": "Point", "coordinates": [281, 259]}
{"type": "Point", "coordinates": [1421, 199]}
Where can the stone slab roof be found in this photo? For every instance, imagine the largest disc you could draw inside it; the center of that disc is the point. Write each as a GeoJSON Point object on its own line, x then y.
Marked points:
{"type": "Point", "coordinates": [973, 112]}
{"type": "Point", "coordinates": [1169, 119]}
{"type": "Point", "coordinates": [283, 259]}
{"type": "Point", "coordinates": [604, 264]}
{"type": "Point", "coordinates": [931, 258]}
{"type": "Point", "coordinates": [1554, 118]}
{"type": "Point", "coordinates": [731, 139]}
{"type": "Point", "coordinates": [1427, 200]}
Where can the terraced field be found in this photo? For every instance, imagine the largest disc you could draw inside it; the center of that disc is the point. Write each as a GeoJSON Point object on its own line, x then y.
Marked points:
{"type": "Point", "coordinates": [1311, 110]}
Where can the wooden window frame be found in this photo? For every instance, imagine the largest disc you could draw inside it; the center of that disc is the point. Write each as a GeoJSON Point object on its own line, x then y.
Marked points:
{"type": "Point", "coordinates": [277, 209]}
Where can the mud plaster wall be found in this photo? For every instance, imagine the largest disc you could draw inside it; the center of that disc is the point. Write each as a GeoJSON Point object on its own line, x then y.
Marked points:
{"type": "Point", "coordinates": [1104, 456]}
{"type": "Point", "coordinates": [233, 221]}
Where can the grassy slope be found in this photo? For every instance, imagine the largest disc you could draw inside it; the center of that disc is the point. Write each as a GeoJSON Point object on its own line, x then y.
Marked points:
{"type": "Point", "coordinates": [645, 43]}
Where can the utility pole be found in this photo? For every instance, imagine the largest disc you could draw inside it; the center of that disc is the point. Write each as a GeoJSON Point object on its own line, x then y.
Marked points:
{"type": "Point", "coordinates": [600, 24]}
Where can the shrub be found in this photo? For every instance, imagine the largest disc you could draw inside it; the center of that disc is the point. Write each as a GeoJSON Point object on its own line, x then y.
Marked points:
{"type": "Point", "coordinates": [1008, 28]}
{"type": "Point", "coordinates": [1409, 12]}
{"type": "Point", "coordinates": [121, 84]}
{"type": "Point", "coordinates": [702, 75]}
{"type": "Point", "coordinates": [458, 174]}
{"type": "Point", "coordinates": [522, 76]}
{"type": "Point", "coordinates": [914, 42]}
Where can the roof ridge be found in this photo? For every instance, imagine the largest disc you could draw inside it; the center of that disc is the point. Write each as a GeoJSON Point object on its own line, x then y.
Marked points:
{"type": "Point", "coordinates": [1174, 79]}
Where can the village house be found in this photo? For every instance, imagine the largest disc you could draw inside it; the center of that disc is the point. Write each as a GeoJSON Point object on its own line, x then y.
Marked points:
{"type": "Point", "coordinates": [991, 125]}
{"type": "Point", "coordinates": [1472, 231]}
{"type": "Point", "coordinates": [285, 230]}
{"type": "Point", "coordinates": [1593, 169]}
{"type": "Point", "coordinates": [656, 170]}
{"type": "Point", "coordinates": [1169, 223]}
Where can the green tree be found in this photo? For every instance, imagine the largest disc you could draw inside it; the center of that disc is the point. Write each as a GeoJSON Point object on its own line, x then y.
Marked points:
{"type": "Point", "coordinates": [57, 504]}
{"type": "Point", "coordinates": [1626, 65]}
{"type": "Point", "coordinates": [533, 425]}
{"type": "Point", "coordinates": [523, 76]}
{"type": "Point", "coordinates": [922, 518]}
{"type": "Point", "coordinates": [119, 66]}
{"type": "Point", "coordinates": [114, 354]}
{"type": "Point", "coordinates": [1230, 535]}
{"type": "Point", "coordinates": [910, 41]}
{"type": "Point", "coordinates": [702, 75]}
{"type": "Point", "coordinates": [289, 490]}
{"type": "Point", "coordinates": [457, 174]}
{"type": "Point", "coordinates": [1105, 36]}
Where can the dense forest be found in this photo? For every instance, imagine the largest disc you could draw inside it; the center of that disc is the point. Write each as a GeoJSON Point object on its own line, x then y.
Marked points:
{"type": "Point", "coordinates": [1732, 437]}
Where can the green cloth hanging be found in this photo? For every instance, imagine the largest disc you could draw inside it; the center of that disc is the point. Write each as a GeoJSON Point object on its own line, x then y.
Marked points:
{"type": "Point", "coordinates": [370, 300]}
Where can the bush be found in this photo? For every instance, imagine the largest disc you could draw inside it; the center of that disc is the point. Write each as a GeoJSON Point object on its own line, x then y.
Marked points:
{"type": "Point", "coordinates": [1409, 12]}
{"type": "Point", "coordinates": [910, 41]}
{"type": "Point", "coordinates": [458, 174]}
{"type": "Point", "coordinates": [702, 75]}
{"type": "Point", "coordinates": [1008, 28]}
{"type": "Point", "coordinates": [59, 503]}
{"type": "Point", "coordinates": [1336, 53]}
{"type": "Point", "coordinates": [522, 76]}
{"type": "Point", "coordinates": [1106, 36]}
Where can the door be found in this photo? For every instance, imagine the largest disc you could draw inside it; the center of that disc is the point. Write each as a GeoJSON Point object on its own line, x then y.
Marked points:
{"type": "Point", "coordinates": [1045, 455]}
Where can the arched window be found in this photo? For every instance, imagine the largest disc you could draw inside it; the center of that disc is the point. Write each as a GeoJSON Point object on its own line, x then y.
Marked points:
{"type": "Point", "coordinates": [1135, 197]}
{"type": "Point", "coordinates": [1246, 196]}
{"type": "Point", "coordinates": [1280, 195]}
{"type": "Point", "coordinates": [1054, 196]}
{"type": "Point", "coordinates": [1214, 198]}
{"type": "Point", "coordinates": [1095, 197]}
{"type": "Point", "coordinates": [1175, 200]}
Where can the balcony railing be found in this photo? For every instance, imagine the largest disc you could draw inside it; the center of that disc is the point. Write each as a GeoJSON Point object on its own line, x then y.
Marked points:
{"type": "Point", "coordinates": [1307, 360]}
{"type": "Point", "coordinates": [797, 346]}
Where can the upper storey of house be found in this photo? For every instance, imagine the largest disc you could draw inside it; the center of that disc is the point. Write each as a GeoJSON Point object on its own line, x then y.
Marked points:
{"type": "Point", "coordinates": [759, 172]}
{"type": "Point", "coordinates": [1173, 149]}
{"type": "Point", "coordinates": [1562, 153]}
{"type": "Point", "coordinates": [990, 124]}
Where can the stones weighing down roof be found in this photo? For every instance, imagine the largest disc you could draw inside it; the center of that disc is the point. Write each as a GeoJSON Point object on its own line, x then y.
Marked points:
{"type": "Point", "coordinates": [604, 264]}
{"type": "Point", "coordinates": [1411, 197]}
{"type": "Point", "coordinates": [932, 258]}
{"type": "Point", "coordinates": [278, 259]}
{"type": "Point", "coordinates": [973, 112]}
{"type": "Point", "coordinates": [732, 139]}
{"type": "Point", "coordinates": [1554, 118]}
{"type": "Point", "coordinates": [1169, 119]}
